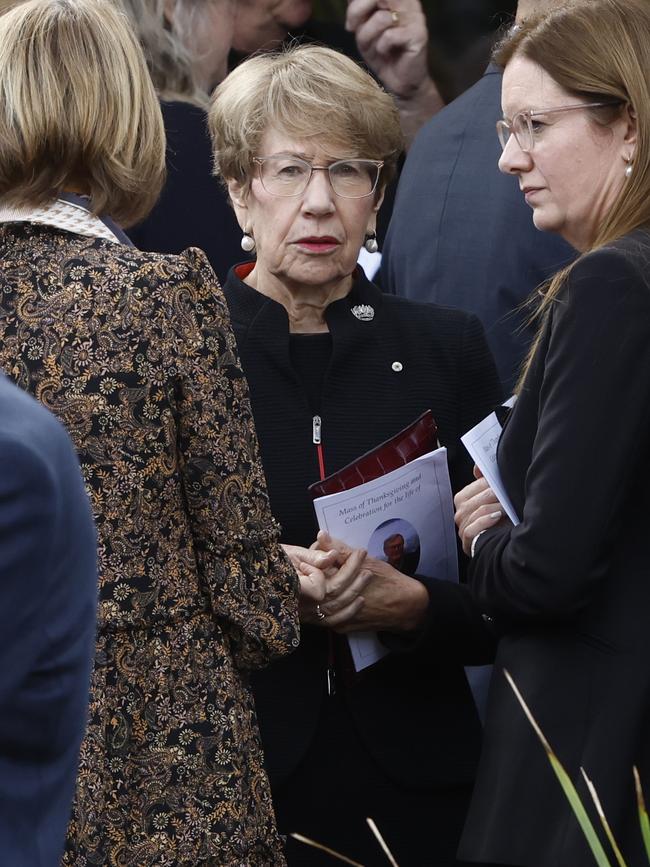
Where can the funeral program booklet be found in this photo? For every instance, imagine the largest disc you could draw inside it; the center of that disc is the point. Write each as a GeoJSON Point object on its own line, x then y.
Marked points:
{"type": "Point", "coordinates": [481, 442]}
{"type": "Point", "coordinates": [405, 517]}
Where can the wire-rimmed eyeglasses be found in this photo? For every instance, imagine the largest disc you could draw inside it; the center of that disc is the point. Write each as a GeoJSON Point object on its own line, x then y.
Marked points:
{"type": "Point", "coordinates": [523, 128]}
{"type": "Point", "coordinates": [286, 175]}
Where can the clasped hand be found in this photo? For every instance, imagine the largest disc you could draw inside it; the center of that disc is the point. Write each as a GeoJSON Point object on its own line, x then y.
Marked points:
{"type": "Point", "coordinates": [355, 591]}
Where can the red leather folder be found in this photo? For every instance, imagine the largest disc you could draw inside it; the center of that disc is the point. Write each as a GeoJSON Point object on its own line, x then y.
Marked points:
{"type": "Point", "coordinates": [420, 437]}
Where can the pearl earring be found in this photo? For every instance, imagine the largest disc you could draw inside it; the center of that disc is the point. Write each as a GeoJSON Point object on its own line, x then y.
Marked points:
{"type": "Point", "coordinates": [628, 170]}
{"type": "Point", "coordinates": [247, 243]}
{"type": "Point", "coordinates": [370, 243]}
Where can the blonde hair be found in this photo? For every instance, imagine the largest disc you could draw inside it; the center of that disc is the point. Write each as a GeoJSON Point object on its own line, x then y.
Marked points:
{"type": "Point", "coordinates": [307, 92]}
{"type": "Point", "coordinates": [597, 50]}
{"type": "Point", "coordinates": [77, 109]}
{"type": "Point", "coordinates": [165, 47]}
{"type": "Point", "coordinates": [168, 60]}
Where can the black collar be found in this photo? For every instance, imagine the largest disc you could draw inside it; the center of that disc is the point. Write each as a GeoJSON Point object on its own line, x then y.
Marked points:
{"type": "Point", "coordinates": [247, 304]}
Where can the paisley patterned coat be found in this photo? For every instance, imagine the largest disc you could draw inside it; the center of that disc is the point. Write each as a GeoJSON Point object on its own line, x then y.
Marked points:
{"type": "Point", "coordinates": [133, 352]}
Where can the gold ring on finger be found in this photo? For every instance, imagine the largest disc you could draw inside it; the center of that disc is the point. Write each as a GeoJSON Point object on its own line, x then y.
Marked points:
{"type": "Point", "coordinates": [394, 14]}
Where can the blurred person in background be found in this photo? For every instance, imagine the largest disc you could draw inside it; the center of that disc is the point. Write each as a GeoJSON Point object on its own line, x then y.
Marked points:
{"type": "Point", "coordinates": [306, 141]}
{"type": "Point", "coordinates": [460, 232]}
{"type": "Point", "coordinates": [134, 353]}
{"type": "Point", "coordinates": [186, 44]}
{"type": "Point", "coordinates": [391, 38]}
{"type": "Point", "coordinates": [462, 34]}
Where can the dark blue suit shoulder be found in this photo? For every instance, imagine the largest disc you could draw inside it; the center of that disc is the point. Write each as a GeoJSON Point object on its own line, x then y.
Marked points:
{"type": "Point", "coordinates": [28, 422]}
{"type": "Point", "coordinates": [470, 107]}
{"type": "Point", "coordinates": [36, 444]}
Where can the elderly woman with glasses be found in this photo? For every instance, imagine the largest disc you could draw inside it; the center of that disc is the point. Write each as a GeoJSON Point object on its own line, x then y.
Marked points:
{"type": "Point", "coordinates": [568, 586]}
{"type": "Point", "coordinates": [306, 142]}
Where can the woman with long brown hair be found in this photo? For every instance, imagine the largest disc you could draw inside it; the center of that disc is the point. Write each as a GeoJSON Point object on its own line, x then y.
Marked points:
{"type": "Point", "coordinates": [567, 588]}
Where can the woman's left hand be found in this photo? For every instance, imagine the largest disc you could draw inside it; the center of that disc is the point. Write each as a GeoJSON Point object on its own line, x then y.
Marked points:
{"type": "Point", "coordinates": [392, 601]}
{"type": "Point", "coordinates": [477, 509]}
{"type": "Point", "coordinates": [312, 567]}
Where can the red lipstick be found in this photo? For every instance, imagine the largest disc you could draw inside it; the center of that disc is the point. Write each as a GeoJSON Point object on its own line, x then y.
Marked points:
{"type": "Point", "coordinates": [318, 243]}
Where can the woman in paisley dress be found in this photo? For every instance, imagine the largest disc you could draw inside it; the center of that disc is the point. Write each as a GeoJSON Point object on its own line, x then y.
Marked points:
{"type": "Point", "coordinates": [134, 353]}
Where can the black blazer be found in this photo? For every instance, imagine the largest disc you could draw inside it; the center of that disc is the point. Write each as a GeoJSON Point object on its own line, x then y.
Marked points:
{"type": "Point", "coordinates": [569, 586]}
{"type": "Point", "coordinates": [413, 709]}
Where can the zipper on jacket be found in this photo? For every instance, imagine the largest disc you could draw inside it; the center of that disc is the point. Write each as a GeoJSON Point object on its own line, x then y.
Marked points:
{"type": "Point", "coordinates": [318, 442]}
{"type": "Point", "coordinates": [316, 437]}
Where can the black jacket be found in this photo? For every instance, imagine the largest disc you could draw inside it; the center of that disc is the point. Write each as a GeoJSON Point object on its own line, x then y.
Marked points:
{"type": "Point", "coordinates": [413, 708]}
{"type": "Point", "coordinates": [569, 585]}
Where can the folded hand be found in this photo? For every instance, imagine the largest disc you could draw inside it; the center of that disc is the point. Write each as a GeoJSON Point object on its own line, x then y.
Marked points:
{"type": "Point", "coordinates": [477, 509]}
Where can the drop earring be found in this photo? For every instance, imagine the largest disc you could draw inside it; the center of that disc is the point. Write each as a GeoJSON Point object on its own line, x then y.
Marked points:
{"type": "Point", "coordinates": [628, 169]}
{"type": "Point", "coordinates": [370, 243]}
{"type": "Point", "coordinates": [247, 243]}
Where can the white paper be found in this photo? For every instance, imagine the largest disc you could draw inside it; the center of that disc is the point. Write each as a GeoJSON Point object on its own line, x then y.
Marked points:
{"type": "Point", "coordinates": [414, 502]}
{"type": "Point", "coordinates": [481, 442]}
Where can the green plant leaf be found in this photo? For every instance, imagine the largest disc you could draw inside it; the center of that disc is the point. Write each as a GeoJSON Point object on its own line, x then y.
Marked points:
{"type": "Point", "coordinates": [643, 813]}
{"type": "Point", "coordinates": [567, 785]}
{"type": "Point", "coordinates": [603, 819]}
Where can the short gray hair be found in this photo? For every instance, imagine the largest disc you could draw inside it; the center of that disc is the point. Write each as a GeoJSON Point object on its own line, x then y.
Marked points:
{"type": "Point", "coordinates": [308, 92]}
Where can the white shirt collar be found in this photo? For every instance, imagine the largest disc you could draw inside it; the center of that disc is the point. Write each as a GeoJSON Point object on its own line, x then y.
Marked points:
{"type": "Point", "coordinates": [61, 215]}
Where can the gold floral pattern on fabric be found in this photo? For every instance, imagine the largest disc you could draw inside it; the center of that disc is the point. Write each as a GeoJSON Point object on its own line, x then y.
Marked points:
{"type": "Point", "coordinates": [134, 353]}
